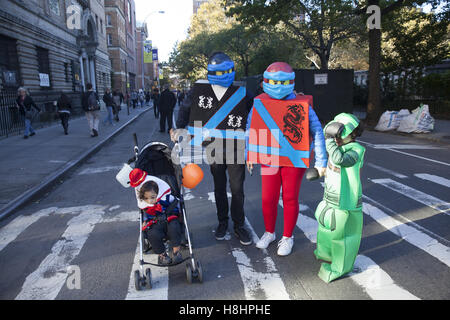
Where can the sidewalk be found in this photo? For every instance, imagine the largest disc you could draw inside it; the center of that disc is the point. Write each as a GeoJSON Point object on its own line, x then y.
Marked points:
{"type": "Point", "coordinates": [29, 167]}
{"type": "Point", "coordinates": [441, 132]}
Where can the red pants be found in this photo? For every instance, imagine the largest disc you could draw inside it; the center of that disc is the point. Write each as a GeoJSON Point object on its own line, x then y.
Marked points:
{"type": "Point", "coordinates": [273, 179]}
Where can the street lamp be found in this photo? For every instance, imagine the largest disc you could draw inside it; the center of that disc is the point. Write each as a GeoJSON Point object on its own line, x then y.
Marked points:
{"type": "Point", "coordinates": [142, 44]}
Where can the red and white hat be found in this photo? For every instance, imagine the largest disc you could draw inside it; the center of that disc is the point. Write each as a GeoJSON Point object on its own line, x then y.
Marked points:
{"type": "Point", "coordinates": [137, 176]}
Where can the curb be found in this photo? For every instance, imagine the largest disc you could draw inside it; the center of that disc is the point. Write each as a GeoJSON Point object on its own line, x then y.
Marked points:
{"type": "Point", "coordinates": [49, 181]}
{"type": "Point", "coordinates": [423, 136]}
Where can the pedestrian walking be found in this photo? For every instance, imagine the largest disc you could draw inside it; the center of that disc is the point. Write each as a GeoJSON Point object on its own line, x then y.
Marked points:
{"type": "Point", "coordinates": [155, 98]}
{"type": "Point", "coordinates": [64, 107]}
{"type": "Point", "coordinates": [202, 102]}
{"type": "Point", "coordinates": [91, 106]}
{"type": "Point", "coordinates": [117, 105]}
{"type": "Point", "coordinates": [278, 86]}
{"type": "Point", "coordinates": [167, 103]}
{"type": "Point", "coordinates": [134, 98]}
{"type": "Point", "coordinates": [26, 105]}
{"type": "Point", "coordinates": [109, 102]}
{"type": "Point", "coordinates": [147, 97]}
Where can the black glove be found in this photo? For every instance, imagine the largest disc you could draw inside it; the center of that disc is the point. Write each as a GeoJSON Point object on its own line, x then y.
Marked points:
{"type": "Point", "coordinates": [333, 129]}
{"type": "Point", "coordinates": [312, 174]}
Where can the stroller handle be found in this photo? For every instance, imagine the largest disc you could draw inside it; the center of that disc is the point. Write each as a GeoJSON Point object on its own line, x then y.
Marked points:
{"type": "Point", "coordinates": [135, 139]}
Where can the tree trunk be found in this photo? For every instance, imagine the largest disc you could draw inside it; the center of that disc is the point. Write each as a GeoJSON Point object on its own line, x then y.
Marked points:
{"type": "Point", "coordinates": [374, 99]}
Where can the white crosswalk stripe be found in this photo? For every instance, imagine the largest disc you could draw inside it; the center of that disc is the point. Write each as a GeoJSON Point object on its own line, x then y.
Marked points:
{"type": "Point", "coordinates": [48, 279]}
{"type": "Point", "coordinates": [433, 202]}
{"type": "Point", "coordinates": [410, 234]}
{"type": "Point", "coordinates": [371, 277]}
{"type": "Point", "coordinates": [269, 281]}
{"type": "Point", "coordinates": [436, 179]}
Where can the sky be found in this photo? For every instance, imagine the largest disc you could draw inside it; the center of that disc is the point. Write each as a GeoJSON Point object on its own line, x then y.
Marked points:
{"type": "Point", "coordinates": [167, 28]}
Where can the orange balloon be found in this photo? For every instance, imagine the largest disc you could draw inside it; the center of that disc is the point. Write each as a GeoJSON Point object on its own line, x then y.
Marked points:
{"type": "Point", "coordinates": [192, 175]}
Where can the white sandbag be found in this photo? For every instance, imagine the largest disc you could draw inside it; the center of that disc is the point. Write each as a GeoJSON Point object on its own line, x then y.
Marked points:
{"type": "Point", "coordinates": [419, 121]}
{"type": "Point", "coordinates": [400, 115]}
{"type": "Point", "coordinates": [387, 121]}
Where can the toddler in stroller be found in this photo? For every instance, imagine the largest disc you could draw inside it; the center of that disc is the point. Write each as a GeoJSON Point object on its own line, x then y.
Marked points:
{"type": "Point", "coordinates": [159, 192]}
{"type": "Point", "coordinates": [160, 215]}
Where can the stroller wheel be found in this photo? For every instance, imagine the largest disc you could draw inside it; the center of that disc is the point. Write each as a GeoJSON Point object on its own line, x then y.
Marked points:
{"type": "Point", "coordinates": [189, 272]}
{"type": "Point", "coordinates": [148, 277]}
{"type": "Point", "coordinates": [199, 272]}
{"type": "Point", "coordinates": [137, 280]}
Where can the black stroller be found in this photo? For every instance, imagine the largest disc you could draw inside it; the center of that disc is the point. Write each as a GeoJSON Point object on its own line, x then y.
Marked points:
{"type": "Point", "coordinates": [155, 159]}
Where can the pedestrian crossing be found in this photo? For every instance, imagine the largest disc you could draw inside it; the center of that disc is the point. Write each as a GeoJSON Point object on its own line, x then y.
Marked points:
{"type": "Point", "coordinates": [259, 271]}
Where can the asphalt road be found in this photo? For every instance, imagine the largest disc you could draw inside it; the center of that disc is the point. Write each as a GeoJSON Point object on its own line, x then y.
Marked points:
{"type": "Point", "coordinates": [90, 222]}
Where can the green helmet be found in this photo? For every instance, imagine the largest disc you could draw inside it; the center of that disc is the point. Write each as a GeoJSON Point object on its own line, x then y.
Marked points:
{"type": "Point", "coordinates": [349, 121]}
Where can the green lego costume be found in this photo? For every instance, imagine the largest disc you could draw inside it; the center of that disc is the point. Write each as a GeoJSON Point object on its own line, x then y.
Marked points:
{"type": "Point", "coordinates": [340, 212]}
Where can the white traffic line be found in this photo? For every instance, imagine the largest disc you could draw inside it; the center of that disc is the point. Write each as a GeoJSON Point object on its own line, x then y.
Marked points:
{"type": "Point", "coordinates": [395, 174]}
{"type": "Point", "coordinates": [268, 282]}
{"type": "Point", "coordinates": [436, 179]}
{"type": "Point", "coordinates": [403, 146]}
{"type": "Point", "coordinates": [406, 153]}
{"type": "Point", "coordinates": [48, 279]}
{"type": "Point", "coordinates": [409, 234]}
{"type": "Point", "coordinates": [160, 280]}
{"type": "Point", "coordinates": [12, 230]}
{"type": "Point", "coordinates": [374, 280]}
{"type": "Point", "coordinates": [433, 202]}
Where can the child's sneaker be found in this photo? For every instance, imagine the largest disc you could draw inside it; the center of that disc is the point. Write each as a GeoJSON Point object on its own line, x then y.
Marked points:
{"type": "Point", "coordinates": [285, 246]}
{"type": "Point", "coordinates": [177, 257]}
{"type": "Point", "coordinates": [265, 240]}
{"type": "Point", "coordinates": [164, 259]}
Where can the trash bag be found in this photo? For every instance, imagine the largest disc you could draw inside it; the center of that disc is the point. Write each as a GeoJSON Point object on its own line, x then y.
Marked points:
{"type": "Point", "coordinates": [387, 121]}
{"type": "Point", "coordinates": [419, 121]}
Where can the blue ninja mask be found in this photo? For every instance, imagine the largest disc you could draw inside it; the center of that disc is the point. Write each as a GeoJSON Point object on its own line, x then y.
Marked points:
{"type": "Point", "coordinates": [221, 74]}
{"type": "Point", "coordinates": [278, 85]}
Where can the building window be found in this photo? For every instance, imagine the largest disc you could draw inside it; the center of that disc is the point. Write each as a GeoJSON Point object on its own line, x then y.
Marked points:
{"type": "Point", "coordinates": [101, 26]}
{"type": "Point", "coordinates": [129, 12]}
{"type": "Point", "coordinates": [109, 39]}
{"type": "Point", "coordinates": [44, 67]}
{"type": "Point", "coordinates": [96, 22]}
{"type": "Point", "coordinates": [108, 20]}
{"type": "Point", "coordinates": [66, 71]}
{"type": "Point", "coordinates": [54, 6]}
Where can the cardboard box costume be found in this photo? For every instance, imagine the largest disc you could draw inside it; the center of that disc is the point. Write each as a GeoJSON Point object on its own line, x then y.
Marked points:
{"type": "Point", "coordinates": [279, 132]}
{"type": "Point", "coordinates": [339, 214]}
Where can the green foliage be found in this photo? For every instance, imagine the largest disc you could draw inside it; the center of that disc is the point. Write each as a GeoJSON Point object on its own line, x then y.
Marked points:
{"type": "Point", "coordinates": [435, 85]}
{"type": "Point", "coordinates": [252, 48]}
{"type": "Point", "coordinates": [318, 24]}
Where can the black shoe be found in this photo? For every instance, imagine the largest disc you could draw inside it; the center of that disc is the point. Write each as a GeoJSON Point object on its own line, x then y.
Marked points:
{"type": "Point", "coordinates": [164, 259]}
{"type": "Point", "coordinates": [243, 236]}
{"type": "Point", "coordinates": [95, 132]}
{"type": "Point", "coordinates": [177, 257]}
{"type": "Point", "coordinates": [25, 137]}
{"type": "Point", "coordinates": [32, 134]}
{"type": "Point", "coordinates": [221, 231]}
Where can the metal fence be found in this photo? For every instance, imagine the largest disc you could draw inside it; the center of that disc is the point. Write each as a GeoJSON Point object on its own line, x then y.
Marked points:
{"type": "Point", "coordinates": [11, 121]}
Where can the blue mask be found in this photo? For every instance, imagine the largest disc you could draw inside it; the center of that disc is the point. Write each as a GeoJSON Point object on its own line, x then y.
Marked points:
{"type": "Point", "coordinates": [224, 80]}
{"type": "Point", "coordinates": [278, 91]}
